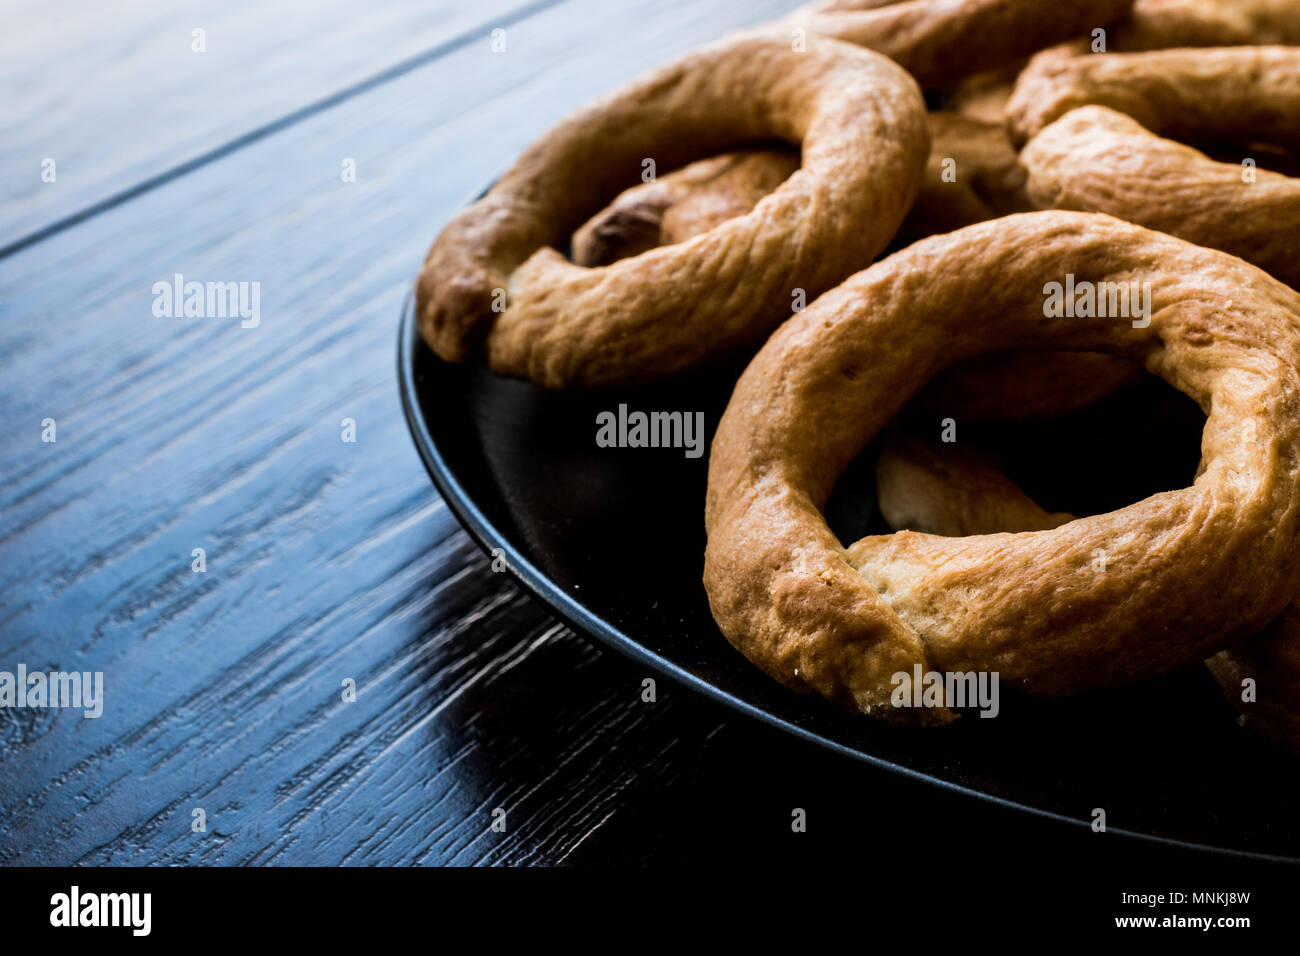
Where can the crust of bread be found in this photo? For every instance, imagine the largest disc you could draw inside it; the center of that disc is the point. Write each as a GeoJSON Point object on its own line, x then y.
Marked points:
{"type": "Point", "coordinates": [1221, 94]}
{"type": "Point", "coordinates": [939, 41]}
{"type": "Point", "coordinates": [1097, 160]}
{"type": "Point", "coordinates": [1162, 24]}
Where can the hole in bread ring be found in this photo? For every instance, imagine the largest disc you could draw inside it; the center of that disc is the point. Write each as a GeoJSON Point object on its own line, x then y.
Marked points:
{"type": "Point", "coordinates": [1185, 569]}
{"type": "Point", "coordinates": [861, 122]}
{"type": "Point", "coordinates": [959, 489]}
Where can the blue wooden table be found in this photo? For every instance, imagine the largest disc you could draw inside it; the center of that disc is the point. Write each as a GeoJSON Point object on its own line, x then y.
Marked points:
{"type": "Point", "coordinates": [305, 659]}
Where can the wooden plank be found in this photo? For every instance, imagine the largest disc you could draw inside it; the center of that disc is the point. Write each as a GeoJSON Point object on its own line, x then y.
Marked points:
{"type": "Point", "coordinates": [325, 560]}
{"type": "Point", "coordinates": [116, 94]}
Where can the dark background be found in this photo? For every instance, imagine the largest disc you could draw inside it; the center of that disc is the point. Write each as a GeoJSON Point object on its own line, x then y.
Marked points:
{"type": "Point", "coordinates": [328, 560]}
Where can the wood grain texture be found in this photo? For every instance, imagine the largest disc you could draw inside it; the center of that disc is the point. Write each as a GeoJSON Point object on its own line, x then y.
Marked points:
{"type": "Point", "coordinates": [325, 560]}
{"type": "Point", "coordinates": [117, 95]}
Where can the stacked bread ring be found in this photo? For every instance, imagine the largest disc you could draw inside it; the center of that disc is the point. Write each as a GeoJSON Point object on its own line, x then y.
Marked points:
{"type": "Point", "coordinates": [1001, 155]}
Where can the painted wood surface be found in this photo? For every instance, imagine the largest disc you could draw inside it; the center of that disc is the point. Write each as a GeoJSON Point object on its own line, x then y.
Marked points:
{"type": "Point", "coordinates": [122, 96]}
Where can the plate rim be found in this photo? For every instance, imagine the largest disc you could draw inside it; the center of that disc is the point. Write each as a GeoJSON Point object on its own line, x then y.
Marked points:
{"type": "Point", "coordinates": [578, 618]}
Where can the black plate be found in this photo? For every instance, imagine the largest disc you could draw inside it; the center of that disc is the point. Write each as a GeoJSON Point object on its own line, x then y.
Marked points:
{"type": "Point", "coordinates": [612, 541]}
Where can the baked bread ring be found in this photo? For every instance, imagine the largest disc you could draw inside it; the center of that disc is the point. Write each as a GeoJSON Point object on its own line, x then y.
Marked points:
{"type": "Point", "coordinates": [953, 490]}
{"type": "Point", "coordinates": [1161, 24]}
{"type": "Point", "coordinates": [1196, 95]}
{"type": "Point", "coordinates": [939, 41]}
{"type": "Point", "coordinates": [1096, 160]}
{"type": "Point", "coordinates": [861, 121]}
{"type": "Point", "coordinates": [1188, 571]}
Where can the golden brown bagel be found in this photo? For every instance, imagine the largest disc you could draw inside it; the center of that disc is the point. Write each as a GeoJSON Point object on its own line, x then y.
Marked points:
{"type": "Point", "coordinates": [494, 279]}
{"type": "Point", "coordinates": [935, 40]}
{"type": "Point", "coordinates": [1188, 572]}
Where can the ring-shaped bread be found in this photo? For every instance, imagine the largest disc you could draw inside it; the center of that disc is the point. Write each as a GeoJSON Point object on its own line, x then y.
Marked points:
{"type": "Point", "coordinates": [1186, 573]}
{"type": "Point", "coordinates": [495, 278]}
